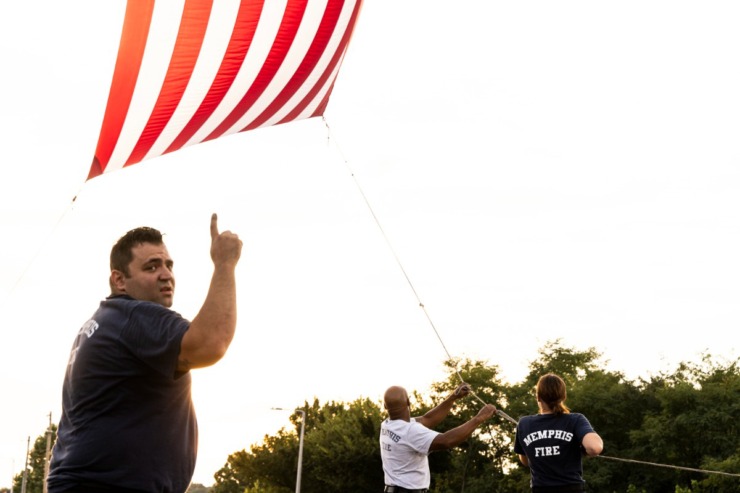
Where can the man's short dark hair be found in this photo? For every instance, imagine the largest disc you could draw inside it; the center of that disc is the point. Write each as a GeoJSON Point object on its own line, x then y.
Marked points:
{"type": "Point", "coordinates": [121, 254]}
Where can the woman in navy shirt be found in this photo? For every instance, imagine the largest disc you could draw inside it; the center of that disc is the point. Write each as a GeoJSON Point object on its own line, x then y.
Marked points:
{"type": "Point", "coordinates": [551, 442]}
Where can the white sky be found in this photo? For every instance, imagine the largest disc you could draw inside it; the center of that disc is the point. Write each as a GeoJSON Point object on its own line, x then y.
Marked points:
{"type": "Point", "coordinates": [541, 169]}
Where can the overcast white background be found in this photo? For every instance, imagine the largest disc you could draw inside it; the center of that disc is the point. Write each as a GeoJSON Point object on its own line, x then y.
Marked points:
{"type": "Point", "coordinates": [541, 170]}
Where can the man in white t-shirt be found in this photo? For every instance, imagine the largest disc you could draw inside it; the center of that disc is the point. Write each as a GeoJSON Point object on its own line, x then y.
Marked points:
{"type": "Point", "coordinates": [406, 442]}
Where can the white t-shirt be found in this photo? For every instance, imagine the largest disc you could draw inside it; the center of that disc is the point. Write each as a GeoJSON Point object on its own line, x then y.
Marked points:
{"type": "Point", "coordinates": [404, 447]}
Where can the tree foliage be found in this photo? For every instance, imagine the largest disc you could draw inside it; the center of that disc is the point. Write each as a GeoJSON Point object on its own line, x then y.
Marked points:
{"type": "Point", "coordinates": [340, 448]}
{"type": "Point", "coordinates": [688, 419]}
{"type": "Point", "coordinates": [694, 424]}
{"type": "Point", "coordinates": [37, 458]}
{"type": "Point", "coordinates": [671, 433]}
{"type": "Point", "coordinates": [198, 488]}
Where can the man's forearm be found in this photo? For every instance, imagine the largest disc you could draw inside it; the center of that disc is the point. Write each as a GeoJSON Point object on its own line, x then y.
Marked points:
{"type": "Point", "coordinates": [435, 416]}
{"type": "Point", "coordinates": [455, 436]}
{"type": "Point", "coordinates": [213, 328]}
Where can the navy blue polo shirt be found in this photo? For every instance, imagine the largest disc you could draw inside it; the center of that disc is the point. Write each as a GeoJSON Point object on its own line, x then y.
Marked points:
{"type": "Point", "coordinates": [552, 444]}
{"type": "Point", "coordinates": [127, 415]}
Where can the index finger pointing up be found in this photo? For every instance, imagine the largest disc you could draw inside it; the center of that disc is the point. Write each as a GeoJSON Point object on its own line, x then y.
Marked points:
{"type": "Point", "coordinates": [214, 226]}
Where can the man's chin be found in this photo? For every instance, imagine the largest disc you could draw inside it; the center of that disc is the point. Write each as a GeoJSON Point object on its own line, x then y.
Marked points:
{"type": "Point", "coordinates": [166, 301]}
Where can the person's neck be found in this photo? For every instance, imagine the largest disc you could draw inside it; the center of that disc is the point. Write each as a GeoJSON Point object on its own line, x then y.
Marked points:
{"type": "Point", "coordinates": [405, 416]}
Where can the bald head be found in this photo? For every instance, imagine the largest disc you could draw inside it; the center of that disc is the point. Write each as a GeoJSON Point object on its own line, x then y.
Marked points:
{"type": "Point", "coordinates": [396, 402]}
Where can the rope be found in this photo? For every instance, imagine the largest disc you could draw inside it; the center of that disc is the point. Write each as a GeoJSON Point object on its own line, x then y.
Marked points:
{"type": "Point", "coordinates": [499, 412]}
{"type": "Point", "coordinates": [387, 240]}
{"type": "Point", "coordinates": [43, 244]}
{"type": "Point", "coordinates": [403, 270]}
{"type": "Point", "coordinates": [669, 466]}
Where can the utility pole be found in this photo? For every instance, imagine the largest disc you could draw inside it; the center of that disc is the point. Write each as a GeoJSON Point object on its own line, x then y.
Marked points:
{"type": "Point", "coordinates": [300, 447]}
{"type": "Point", "coordinates": [300, 451]}
{"type": "Point", "coordinates": [25, 468]}
{"type": "Point", "coordinates": [48, 454]}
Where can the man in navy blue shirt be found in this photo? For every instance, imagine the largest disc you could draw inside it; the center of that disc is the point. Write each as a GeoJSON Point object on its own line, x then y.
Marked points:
{"type": "Point", "coordinates": [128, 423]}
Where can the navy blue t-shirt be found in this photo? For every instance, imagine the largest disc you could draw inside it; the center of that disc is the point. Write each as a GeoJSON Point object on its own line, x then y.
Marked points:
{"type": "Point", "coordinates": [552, 444]}
{"type": "Point", "coordinates": [127, 415]}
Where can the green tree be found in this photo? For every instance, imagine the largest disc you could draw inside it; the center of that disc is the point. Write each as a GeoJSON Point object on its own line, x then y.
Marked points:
{"type": "Point", "coordinates": [688, 418]}
{"type": "Point", "coordinates": [198, 488]}
{"type": "Point", "coordinates": [344, 450]}
{"type": "Point", "coordinates": [339, 451]}
{"type": "Point", "coordinates": [480, 463]}
{"type": "Point", "coordinates": [570, 364]}
{"type": "Point", "coordinates": [36, 469]}
{"type": "Point", "coordinates": [268, 465]}
{"type": "Point", "coordinates": [696, 426]}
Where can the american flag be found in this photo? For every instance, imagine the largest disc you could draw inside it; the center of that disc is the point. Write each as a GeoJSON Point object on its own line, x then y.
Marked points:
{"type": "Point", "coordinates": [189, 71]}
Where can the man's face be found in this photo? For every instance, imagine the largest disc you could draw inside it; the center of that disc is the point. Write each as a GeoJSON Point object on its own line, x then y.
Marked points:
{"type": "Point", "coordinates": [150, 275]}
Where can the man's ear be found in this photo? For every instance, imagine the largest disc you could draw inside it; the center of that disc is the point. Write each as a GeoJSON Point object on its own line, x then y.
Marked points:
{"type": "Point", "coordinates": [118, 281]}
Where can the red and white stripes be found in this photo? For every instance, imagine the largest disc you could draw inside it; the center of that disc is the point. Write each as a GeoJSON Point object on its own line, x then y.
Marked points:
{"type": "Point", "coordinates": [195, 70]}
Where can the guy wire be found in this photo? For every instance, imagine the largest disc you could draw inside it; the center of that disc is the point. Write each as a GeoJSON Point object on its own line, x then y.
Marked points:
{"type": "Point", "coordinates": [400, 265]}
{"type": "Point", "coordinates": [388, 242]}
{"type": "Point", "coordinates": [43, 244]}
{"type": "Point", "coordinates": [501, 413]}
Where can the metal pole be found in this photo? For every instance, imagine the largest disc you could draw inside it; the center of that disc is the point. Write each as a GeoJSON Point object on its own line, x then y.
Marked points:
{"type": "Point", "coordinates": [25, 468]}
{"type": "Point", "coordinates": [48, 453]}
{"type": "Point", "coordinates": [300, 447]}
{"type": "Point", "coordinates": [300, 451]}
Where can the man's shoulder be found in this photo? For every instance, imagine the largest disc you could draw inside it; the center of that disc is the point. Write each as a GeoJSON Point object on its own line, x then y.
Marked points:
{"type": "Point", "coordinates": [395, 422]}
{"type": "Point", "coordinates": [120, 301]}
{"type": "Point", "coordinates": [125, 309]}
{"type": "Point", "coordinates": [126, 302]}
{"type": "Point", "coordinates": [124, 299]}
{"type": "Point", "coordinates": [119, 298]}
{"type": "Point", "coordinates": [401, 425]}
